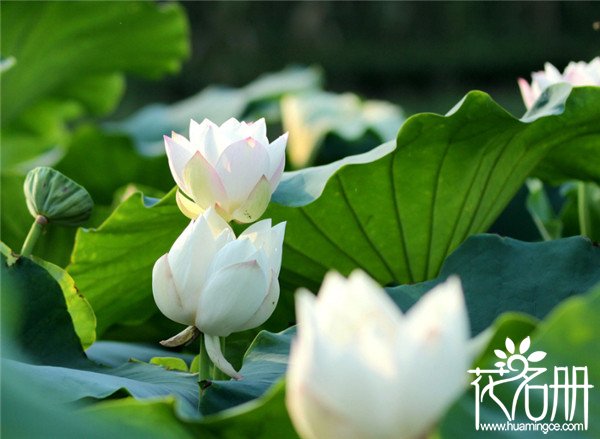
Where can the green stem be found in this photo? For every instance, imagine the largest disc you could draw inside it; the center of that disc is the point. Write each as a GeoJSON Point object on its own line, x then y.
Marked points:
{"type": "Point", "coordinates": [204, 368]}
{"type": "Point", "coordinates": [583, 210]}
{"type": "Point", "coordinates": [34, 233]}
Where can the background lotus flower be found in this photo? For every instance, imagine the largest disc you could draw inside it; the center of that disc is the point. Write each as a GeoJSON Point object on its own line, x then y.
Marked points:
{"type": "Point", "coordinates": [359, 368]}
{"type": "Point", "coordinates": [217, 283]}
{"type": "Point", "coordinates": [231, 167]}
{"type": "Point", "coordinates": [576, 73]}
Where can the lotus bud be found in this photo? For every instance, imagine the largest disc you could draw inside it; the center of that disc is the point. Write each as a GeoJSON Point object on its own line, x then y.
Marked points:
{"type": "Point", "coordinates": [232, 168]}
{"type": "Point", "coordinates": [576, 73]}
{"type": "Point", "coordinates": [218, 283]}
{"type": "Point", "coordinates": [57, 198]}
{"type": "Point", "coordinates": [360, 368]}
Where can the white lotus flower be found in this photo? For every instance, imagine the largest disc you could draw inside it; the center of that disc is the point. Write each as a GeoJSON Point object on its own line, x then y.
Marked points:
{"type": "Point", "coordinates": [217, 283]}
{"type": "Point", "coordinates": [359, 368]}
{"type": "Point", "coordinates": [231, 167]}
{"type": "Point", "coordinates": [576, 73]}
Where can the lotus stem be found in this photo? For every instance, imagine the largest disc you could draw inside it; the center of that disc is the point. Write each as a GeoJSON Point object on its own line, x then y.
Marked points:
{"type": "Point", "coordinates": [583, 210]}
{"type": "Point", "coordinates": [34, 233]}
{"type": "Point", "coordinates": [205, 366]}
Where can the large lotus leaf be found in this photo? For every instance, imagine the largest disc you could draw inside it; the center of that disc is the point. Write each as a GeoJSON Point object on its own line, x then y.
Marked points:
{"type": "Point", "coordinates": [503, 274]}
{"type": "Point", "coordinates": [264, 364]}
{"type": "Point", "coordinates": [58, 74]}
{"type": "Point", "coordinates": [569, 337]}
{"type": "Point", "coordinates": [46, 350]}
{"type": "Point", "coordinates": [251, 408]}
{"type": "Point", "coordinates": [140, 380]}
{"type": "Point", "coordinates": [78, 378]}
{"type": "Point", "coordinates": [112, 265]}
{"type": "Point", "coordinates": [501, 278]}
{"type": "Point", "coordinates": [562, 163]}
{"type": "Point", "coordinates": [109, 275]}
{"type": "Point", "coordinates": [264, 418]}
{"type": "Point", "coordinates": [43, 330]}
{"type": "Point", "coordinates": [396, 212]}
{"type": "Point", "coordinates": [570, 324]}
{"type": "Point", "coordinates": [29, 411]}
{"type": "Point", "coordinates": [148, 125]}
{"type": "Point", "coordinates": [318, 121]}
{"type": "Point", "coordinates": [157, 416]}
{"type": "Point", "coordinates": [82, 314]}
{"type": "Point", "coordinates": [400, 214]}
{"type": "Point", "coordinates": [114, 353]}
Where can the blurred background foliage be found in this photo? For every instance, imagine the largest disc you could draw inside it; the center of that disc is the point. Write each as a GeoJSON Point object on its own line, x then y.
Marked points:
{"type": "Point", "coordinates": [90, 87]}
{"type": "Point", "coordinates": [95, 85]}
{"type": "Point", "coordinates": [422, 55]}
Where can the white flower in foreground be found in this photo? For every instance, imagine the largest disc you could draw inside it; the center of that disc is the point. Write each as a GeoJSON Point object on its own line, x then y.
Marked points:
{"type": "Point", "coordinates": [231, 167]}
{"type": "Point", "coordinates": [576, 73]}
{"type": "Point", "coordinates": [217, 283]}
{"type": "Point", "coordinates": [359, 368]}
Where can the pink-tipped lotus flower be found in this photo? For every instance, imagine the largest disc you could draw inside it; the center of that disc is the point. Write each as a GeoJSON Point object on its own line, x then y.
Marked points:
{"type": "Point", "coordinates": [576, 73]}
{"type": "Point", "coordinates": [231, 167]}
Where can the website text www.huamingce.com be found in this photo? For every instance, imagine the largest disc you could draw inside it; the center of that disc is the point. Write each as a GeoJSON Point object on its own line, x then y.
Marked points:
{"type": "Point", "coordinates": [544, 427]}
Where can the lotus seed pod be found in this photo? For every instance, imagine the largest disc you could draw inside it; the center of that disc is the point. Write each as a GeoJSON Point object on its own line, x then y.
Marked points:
{"type": "Point", "coordinates": [56, 197]}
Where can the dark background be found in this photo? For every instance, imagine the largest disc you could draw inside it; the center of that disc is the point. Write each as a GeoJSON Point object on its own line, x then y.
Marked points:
{"type": "Point", "coordinates": [423, 56]}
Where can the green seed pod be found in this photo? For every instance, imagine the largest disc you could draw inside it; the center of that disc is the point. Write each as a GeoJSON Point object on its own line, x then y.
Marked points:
{"type": "Point", "coordinates": [56, 197]}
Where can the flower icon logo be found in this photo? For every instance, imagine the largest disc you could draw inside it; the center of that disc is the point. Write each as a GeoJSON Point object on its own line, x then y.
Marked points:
{"type": "Point", "coordinates": [510, 353]}
{"type": "Point", "coordinates": [516, 371]}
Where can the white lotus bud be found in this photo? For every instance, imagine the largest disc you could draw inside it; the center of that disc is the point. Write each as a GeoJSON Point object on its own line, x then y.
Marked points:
{"type": "Point", "coordinates": [217, 283]}
{"type": "Point", "coordinates": [359, 368]}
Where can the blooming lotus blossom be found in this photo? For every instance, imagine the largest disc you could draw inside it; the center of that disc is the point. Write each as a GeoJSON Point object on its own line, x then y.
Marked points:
{"type": "Point", "coordinates": [576, 73]}
{"type": "Point", "coordinates": [360, 368]}
{"type": "Point", "coordinates": [232, 168]}
{"type": "Point", "coordinates": [217, 283]}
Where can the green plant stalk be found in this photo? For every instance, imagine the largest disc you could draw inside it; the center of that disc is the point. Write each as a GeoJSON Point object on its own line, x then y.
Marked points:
{"type": "Point", "coordinates": [205, 365]}
{"type": "Point", "coordinates": [34, 234]}
{"type": "Point", "coordinates": [583, 210]}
